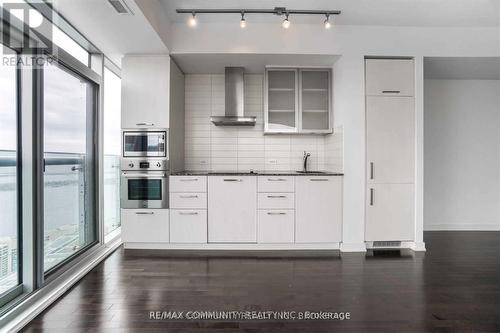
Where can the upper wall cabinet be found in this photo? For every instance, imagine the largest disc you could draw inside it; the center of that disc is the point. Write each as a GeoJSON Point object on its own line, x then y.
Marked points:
{"type": "Point", "coordinates": [282, 101]}
{"type": "Point", "coordinates": [390, 77]}
{"type": "Point", "coordinates": [145, 91]}
{"type": "Point", "coordinates": [298, 101]}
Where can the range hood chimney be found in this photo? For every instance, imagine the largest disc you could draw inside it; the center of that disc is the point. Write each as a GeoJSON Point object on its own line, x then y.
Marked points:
{"type": "Point", "coordinates": [235, 101]}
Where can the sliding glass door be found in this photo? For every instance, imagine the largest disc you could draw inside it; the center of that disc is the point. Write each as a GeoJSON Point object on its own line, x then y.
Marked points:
{"type": "Point", "coordinates": [69, 218]}
{"type": "Point", "coordinates": [9, 189]}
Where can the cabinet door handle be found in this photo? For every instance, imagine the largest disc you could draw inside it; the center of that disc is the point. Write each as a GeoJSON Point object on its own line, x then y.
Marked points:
{"type": "Point", "coordinates": [188, 213]}
{"type": "Point", "coordinates": [232, 180]}
{"type": "Point", "coordinates": [189, 180]}
{"type": "Point", "coordinates": [371, 197]}
{"type": "Point", "coordinates": [318, 179]}
{"type": "Point", "coordinates": [371, 170]}
{"type": "Point", "coordinates": [391, 91]}
{"type": "Point", "coordinates": [188, 196]}
{"type": "Point", "coordinates": [276, 196]}
{"type": "Point", "coordinates": [276, 179]}
{"type": "Point", "coordinates": [276, 213]}
{"type": "Point", "coordinates": [144, 213]}
{"type": "Point", "coordinates": [145, 124]}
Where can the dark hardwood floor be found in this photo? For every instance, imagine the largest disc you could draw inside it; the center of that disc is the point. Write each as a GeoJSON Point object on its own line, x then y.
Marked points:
{"type": "Point", "coordinates": [453, 287]}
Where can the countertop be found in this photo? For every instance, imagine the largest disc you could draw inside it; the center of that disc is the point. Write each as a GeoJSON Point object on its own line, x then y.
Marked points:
{"type": "Point", "coordinates": [255, 173]}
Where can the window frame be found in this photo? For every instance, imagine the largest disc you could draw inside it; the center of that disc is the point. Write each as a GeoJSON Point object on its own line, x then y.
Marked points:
{"type": "Point", "coordinates": [17, 290]}
{"type": "Point", "coordinates": [30, 165]}
{"type": "Point", "coordinates": [73, 66]}
{"type": "Point", "coordinates": [114, 69]}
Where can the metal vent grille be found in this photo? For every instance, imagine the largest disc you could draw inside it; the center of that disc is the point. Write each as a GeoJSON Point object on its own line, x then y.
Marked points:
{"type": "Point", "coordinates": [120, 6]}
{"type": "Point", "coordinates": [386, 244]}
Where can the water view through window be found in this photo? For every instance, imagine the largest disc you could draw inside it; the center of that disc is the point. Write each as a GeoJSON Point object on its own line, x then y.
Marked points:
{"type": "Point", "coordinates": [8, 182]}
{"type": "Point", "coordinates": [68, 150]}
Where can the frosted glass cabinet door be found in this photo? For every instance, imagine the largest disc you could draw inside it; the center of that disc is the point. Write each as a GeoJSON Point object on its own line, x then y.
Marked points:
{"type": "Point", "coordinates": [281, 99]}
{"type": "Point", "coordinates": [315, 100]}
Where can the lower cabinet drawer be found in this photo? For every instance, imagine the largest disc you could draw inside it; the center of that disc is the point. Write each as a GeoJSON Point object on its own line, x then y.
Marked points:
{"type": "Point", "coordinates": [188, 184]}
{"type": "Point", "coordinates": [188, 226]}
{"type": "Point", "coordinates": [145, 225]}
{"type": "Point", "coordinates": [276, 201]}
{"type": "Point", "coordinates": [276, 226]}
{"type": "Point", "coordinates": [188, 200]}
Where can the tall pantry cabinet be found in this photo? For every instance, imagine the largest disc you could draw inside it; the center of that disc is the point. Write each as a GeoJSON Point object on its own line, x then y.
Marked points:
{"type": "Point", "coordinates": [390, 146]}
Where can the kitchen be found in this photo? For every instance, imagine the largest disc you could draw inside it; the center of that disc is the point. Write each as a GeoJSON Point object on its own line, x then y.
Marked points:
{"type": "Point", "coordinates": [256, 146]}
{"type": "Point", "coordinates": [250, 166]}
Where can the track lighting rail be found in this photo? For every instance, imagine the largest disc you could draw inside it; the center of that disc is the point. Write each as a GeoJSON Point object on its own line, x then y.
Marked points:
{"type": "Point", "coordinates": [277, 11]}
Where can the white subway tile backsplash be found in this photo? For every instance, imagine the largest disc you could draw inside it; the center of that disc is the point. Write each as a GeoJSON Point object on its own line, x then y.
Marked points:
{"type": "Point", "coordinates": [209, 147]}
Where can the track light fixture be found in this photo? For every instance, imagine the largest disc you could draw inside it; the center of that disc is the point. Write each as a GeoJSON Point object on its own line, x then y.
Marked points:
{"type": "Point", "coordinates": [192, 20]}
{"type": "Point", "coordinates": [286, 22]}
{"type": "Point", "coordinates": [279, 11]}
{"type": "Point", "coordinates": [243, 22]}
{"type": "Point", "coordinates": [328, 25]}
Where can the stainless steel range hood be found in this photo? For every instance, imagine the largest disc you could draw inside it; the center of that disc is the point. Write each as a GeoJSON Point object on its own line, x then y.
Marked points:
{"type": "Point", "coordinates": [235, 101]}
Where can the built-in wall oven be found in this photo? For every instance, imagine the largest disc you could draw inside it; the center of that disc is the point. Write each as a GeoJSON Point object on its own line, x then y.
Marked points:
{"type": "Point", "coordinates": [145, 143]}
{"type": "Point", "coordinates": [144, 183]}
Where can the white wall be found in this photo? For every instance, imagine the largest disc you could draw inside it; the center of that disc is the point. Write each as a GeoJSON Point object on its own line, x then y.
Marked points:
{"type": "Point", "coordinates": [210, 147]}
{"type": "Point", "coordinates": [462, 155]}
{"type": "Point", "coordinates": [352, 43]}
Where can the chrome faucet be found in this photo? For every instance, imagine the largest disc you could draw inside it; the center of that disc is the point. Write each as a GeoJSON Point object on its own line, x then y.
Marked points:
{"type": "Point", "coordinates": [306, 155]}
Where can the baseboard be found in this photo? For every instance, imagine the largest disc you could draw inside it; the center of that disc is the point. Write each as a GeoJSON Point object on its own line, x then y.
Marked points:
{"type": "Point", "coordinates": [353, 247]}
{"type": "Point", "coordinates": [463, 227]}
{"type": "Point", "coordinates": [231, 246]}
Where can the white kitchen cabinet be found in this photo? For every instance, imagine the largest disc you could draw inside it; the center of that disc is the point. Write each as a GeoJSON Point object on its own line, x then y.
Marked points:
{"type": "Point", "coordinates": [188, 184]}
{"type": "Point", "coordinates": [298, 100]}
{"type": "Point", "coordinates": [188, 226]}
{"type": "Point", "coordinates": [232, 209]}
{"type": "Point", "coordinates": [274, 200]}
{"type": "Point", "coordinates": [145, 225]}
{"type": "Point", "coordinates": [390, 214]}
{"type": "Point", "coordinates": [189, 200]}
{"type": "Point", "coordinates": [276, 184]}
{"type": "Point", "coordinates": [145, 91]}
{"type": "Point", "coordinates": [318, 209]}
{"type": "Point", "coordinates": [390, 139]}
{"type": "Point", "coordinates": [276, 226]}
{"type": "Point", "coordinates": [390, 77]}
{"type": "Point", "coordinates": [390, 150]}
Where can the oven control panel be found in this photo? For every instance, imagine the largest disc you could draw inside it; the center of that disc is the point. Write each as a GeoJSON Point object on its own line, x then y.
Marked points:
{"type": "Point", "coordinates": [149, 164]}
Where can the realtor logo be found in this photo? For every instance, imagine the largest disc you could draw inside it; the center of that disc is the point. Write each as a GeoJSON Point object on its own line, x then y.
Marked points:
{"type": "Point", "coordinates": [28, 32]}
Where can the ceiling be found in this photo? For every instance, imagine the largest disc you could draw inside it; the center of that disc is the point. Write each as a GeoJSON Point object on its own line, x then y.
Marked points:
{"type": "Point", "coordinates": [112, 33]}
{"type": "Point", "coordinates": [459, 68]}
{"type": "Point", "coordinates": [214, 63]}
{"type": "Point", "coordinates": [447, 13]}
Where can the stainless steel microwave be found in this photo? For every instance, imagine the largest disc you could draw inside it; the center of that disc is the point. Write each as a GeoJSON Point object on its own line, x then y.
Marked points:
{"type": "Point", "coordinates": [145, 143]}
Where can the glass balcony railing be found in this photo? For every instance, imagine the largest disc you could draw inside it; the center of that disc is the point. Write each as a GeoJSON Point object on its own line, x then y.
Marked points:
{"type": "Point", "coordinates": [64, 220]}
{"type": "Point", "coordinates": [111, 169]}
